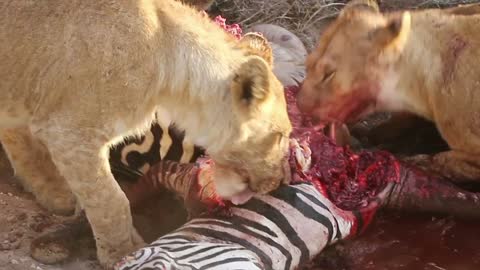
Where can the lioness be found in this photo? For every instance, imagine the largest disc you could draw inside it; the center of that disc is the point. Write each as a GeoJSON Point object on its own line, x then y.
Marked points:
{"type": "Point", "coordinates": [78, 76]}
{"type": "Point", "coordinates": [423, 62]}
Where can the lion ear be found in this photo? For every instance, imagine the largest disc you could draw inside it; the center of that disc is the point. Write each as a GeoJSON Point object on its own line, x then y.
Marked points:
{"type": "Point", "coordinates": [251, 85]}
{"type": "Point", "coordinates": [258, 45]}
{"type": "Point", "coordinates": [355, 5]}
{"type": "Point", "coordinates": [394, 34]}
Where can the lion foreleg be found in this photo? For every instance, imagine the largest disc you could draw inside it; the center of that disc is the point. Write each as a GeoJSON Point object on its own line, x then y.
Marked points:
{"type": "Point", "coordinates": [81, 155]}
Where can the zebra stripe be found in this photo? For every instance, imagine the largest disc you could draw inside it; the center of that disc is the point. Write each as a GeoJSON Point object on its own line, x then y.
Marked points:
{"type": "Point", "coordinates": [281, 230]}
{"type": "Point", "coordinates": [134, 157]}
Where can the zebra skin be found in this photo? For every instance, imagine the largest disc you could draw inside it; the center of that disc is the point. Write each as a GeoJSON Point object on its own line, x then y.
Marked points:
{"type": "Point", "coordinates": [282, 230]}
{"type": "Point", "coordinates": [134, 157]}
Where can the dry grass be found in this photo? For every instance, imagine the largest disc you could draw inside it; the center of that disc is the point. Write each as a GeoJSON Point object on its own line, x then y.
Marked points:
{"type": "Point", "coordinates": [307, 18]}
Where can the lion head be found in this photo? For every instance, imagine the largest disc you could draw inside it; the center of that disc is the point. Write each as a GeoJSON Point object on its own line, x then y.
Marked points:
{"type": "Point", "coordinates": [257, 159]}
{"type": "Point", "coordinates": [353, 63]}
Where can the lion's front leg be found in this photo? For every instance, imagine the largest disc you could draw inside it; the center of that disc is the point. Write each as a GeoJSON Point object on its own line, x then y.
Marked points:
{"type": "Point", "coordinates": [455, 165]}
{"type": "Point", "coordinates": [81, 155]}
{"type": "Point", "coordinates": [34, 168]}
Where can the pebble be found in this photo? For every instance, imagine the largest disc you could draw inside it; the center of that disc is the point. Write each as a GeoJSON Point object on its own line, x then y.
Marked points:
{"type": "Point", "coordinates": [13, 261]}
{"type": "Point", "coordinates": [22, 216]}
{"type": "Point", "coordinates": [36, 267]}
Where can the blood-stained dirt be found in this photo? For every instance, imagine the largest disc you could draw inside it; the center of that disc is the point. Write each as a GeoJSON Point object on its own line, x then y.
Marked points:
{"type": "Point", "coordinates": [408, 242]}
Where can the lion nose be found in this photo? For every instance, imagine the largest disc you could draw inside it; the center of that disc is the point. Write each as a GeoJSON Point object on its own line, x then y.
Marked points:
{"type": "Point", "coordinates": [305, 102]}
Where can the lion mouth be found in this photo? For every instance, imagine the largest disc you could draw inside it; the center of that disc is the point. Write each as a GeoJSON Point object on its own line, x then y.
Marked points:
{"type": "Point", "coordinates": [345, 110]}
{"type": "Point", "coordinates": [242, 197]}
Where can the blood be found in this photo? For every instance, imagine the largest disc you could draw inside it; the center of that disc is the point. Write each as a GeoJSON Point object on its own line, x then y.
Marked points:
{"type": "Point", "coordinates": [349, 179]}
{"type": "Point", "coordinates": [233, 29]}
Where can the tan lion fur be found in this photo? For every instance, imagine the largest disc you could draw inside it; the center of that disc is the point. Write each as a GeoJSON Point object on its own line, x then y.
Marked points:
{"type": "Point", "coordinates": [78, 76]}
{"type": "Point", "coordinates": [424, 62]}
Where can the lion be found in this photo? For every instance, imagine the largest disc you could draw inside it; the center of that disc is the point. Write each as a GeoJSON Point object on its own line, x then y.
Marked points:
{"type": "Point", "coordinates": [421, 62]}
{"type": "Point", "coordinates": [80, 76]}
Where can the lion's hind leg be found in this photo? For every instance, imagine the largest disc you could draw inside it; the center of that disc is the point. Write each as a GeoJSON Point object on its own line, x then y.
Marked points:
{"type": "Point", "coordinates": [34, 168]}
{"type": "Point", "coordinates": [465, 10]}
{"type": "Point", "coordinates": [459, 165]}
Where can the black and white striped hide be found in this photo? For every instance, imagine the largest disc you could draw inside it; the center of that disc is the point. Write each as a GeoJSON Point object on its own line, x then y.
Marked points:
{"type": "Point", "coordinates": [282, 230]}
{"type": "Point", "coordinates": [134, 157]}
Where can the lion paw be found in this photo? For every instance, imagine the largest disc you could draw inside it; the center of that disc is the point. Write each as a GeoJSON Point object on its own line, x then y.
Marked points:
{"type": "Point", "coordinates": [109, 255]}
{"type": "Point", "coordinates": [58, 245]}
{"type": "Point", "coordinates": [50, 252]}
{"type": "Point", "coordinates": [421, 161]}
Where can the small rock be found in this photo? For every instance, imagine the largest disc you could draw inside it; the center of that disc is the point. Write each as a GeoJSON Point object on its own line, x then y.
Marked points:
{"type": "Point", "coordinates": [13, 261]}
{"type": "Point", "coordinates": [22, 216]}
{"type": "Point", "coordinates": [12, 238]}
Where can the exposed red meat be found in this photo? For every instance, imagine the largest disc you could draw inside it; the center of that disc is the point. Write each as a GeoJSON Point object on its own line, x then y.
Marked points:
{"type": "Point", "coordinates": [349, 179]}
{"type": "Point", "coordinates": [233, 29]}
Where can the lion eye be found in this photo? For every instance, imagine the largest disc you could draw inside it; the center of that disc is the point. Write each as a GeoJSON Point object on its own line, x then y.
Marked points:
{"type": "Point", "coordinates": [328, 76]}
